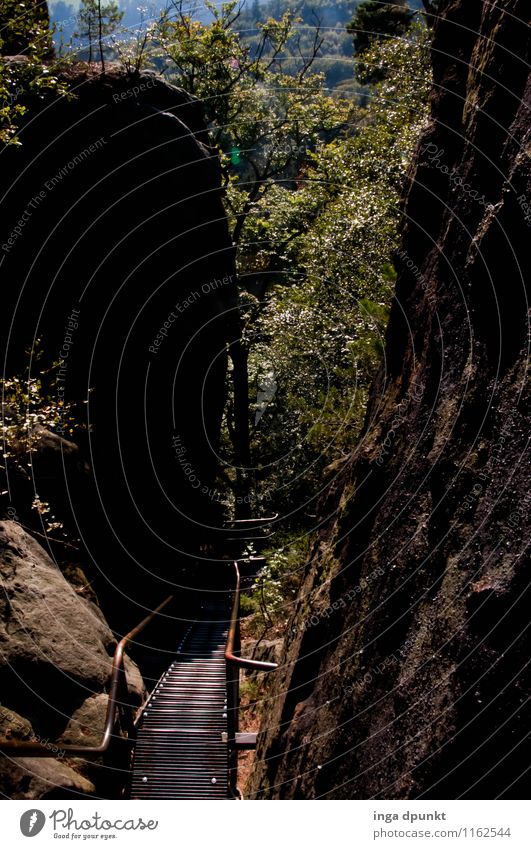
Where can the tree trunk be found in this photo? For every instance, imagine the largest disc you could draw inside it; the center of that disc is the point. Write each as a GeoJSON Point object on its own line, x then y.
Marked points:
{"type": "Point", "coordinates": [239, 354]}
{"type": "Point", "coordinates": [100, 36]}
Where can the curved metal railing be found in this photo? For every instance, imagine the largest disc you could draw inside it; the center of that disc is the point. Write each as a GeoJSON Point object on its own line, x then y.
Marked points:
{"type": "Point", "coordinates": [30, 748]}
{"type": "Point", "coordinates": [234, 662]}
{"type": "Point", "coordinates": [233, 645]}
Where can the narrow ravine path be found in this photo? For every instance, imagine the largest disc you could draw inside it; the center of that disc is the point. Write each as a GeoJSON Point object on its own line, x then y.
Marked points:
{"type": "Point", "coordinates": [180, 752]}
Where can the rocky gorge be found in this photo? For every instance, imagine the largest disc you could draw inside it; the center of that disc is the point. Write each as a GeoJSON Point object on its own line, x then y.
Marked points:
{"type": "Point", "coordinates": [404, 669]}
{"type": "Point", "coordinates": [111, 197]}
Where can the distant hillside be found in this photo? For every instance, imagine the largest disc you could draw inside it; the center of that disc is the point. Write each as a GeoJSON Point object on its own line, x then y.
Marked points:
{"type": "Point", "coordinates": [335, 58]}
{"type": "Point", "coordinates": [335, 54]}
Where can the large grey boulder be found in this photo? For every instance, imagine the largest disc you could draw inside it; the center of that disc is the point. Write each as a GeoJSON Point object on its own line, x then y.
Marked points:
{"type": "Point", "coordinates": [55, 664]}
{"type": "Point", "coordinates": [42, 778]}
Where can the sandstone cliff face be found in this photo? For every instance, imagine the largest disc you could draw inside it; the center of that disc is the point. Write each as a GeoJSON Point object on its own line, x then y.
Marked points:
{"type": "Point", "coordinates": [117, 258]}
{"type": "Point", "coordinates": [403, 674]}
{"type": "Point", "coordinates": [55, 663]}
{"type": "Point", "coordinates": [116, 265]}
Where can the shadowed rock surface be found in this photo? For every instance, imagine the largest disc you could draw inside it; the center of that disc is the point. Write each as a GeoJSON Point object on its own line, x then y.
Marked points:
{"type": "Point", "coordinates": [55, 664]}
{"type": "Point", "coordinates": [409, 681]}
{"type": "Point", "coordinates": [123, 270]}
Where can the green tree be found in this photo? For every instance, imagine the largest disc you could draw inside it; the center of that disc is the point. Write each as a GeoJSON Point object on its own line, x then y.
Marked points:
{"type": "Point", "coordinates": [24, 30]}
{"type": "Point", "coordinates": [31, 404]}
{"type": "Point", "coordinates": [376, 20]}
{"type": "Point", "coordinates": [262, 119]}
{"type": "Point", "coordinates": [255, 11]}
{"type": "Point", "coordinates": [96, 21]}
{"type": "Point", "coordinates": [23, 26]}
{"type": "Point", "coordinates": [328, 245]}
{"type": "Point", "coordinates": [312, 186]}
{"type": "Point", "coordinates": [264, 123]}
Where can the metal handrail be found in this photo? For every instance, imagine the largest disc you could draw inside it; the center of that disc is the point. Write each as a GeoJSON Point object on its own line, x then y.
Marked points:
{"type": "Point", "coordinates": [250, 529]}
{"type": "Point", "coordinates": [233, 661]}
{"type": "Point", "coordinates": [232, 645]}
{"type": "Point", "coordinates": [30, 749]}
{"type": "Point", "coordinates": [263, 520]}
{"type": "Point", "coordinates": [233, 664]}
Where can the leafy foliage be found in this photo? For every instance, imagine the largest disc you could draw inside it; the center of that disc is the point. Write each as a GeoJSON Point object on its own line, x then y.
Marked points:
{"type": "Point", "coordinates": [278, 583]}
{"type": "Point", "coordinates": [96, 21]}
{"type": "Point", "coordinates": [24, 30]}
{"type": "Point", "coordinates": [261, 118]}
{"type": "Point", "coordinates": [325, 246]}
{"type": "Point", "coordinates": [334, 56]}
{"type": "Point", "coordinates": [31, 403]}
{"type": "Point", "coordinates": [312, 188]}
{"type": "Point", "coordinates": [378, 19]}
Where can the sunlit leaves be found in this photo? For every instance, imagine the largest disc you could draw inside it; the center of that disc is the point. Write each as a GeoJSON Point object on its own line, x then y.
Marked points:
{"type": "Point", "coordinates": [24, 30]}
{"type": "Point", "coordinates": [263, 119]}
{"type": "Point", "coordinates": [330, 238]}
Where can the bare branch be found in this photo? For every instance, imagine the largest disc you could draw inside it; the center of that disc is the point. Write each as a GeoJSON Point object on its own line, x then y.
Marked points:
{"type": "Point", "coordinates": [430, 11]}
{"type": "Point", "coordinates": [318, 40]}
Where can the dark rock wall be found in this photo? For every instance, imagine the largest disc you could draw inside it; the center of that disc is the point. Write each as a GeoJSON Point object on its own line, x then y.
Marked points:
{"type": "Point", "coordinates": [55, 666]}
{"type": "Point", "coordinates": [122, 267]}
{"type": "Point", "coordinates": [403, 672]}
